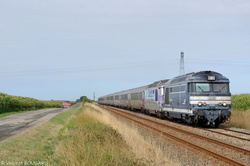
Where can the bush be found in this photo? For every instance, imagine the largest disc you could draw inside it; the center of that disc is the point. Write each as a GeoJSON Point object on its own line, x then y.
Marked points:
{"type": "Point", "coordinates": [85, 99]}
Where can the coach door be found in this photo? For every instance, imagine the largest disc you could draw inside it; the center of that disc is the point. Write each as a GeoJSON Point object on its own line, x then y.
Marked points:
{"type": "Point", "coordinates": [167, 96]}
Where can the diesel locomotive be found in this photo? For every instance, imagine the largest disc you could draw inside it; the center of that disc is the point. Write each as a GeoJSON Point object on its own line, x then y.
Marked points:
{"type": "Point", "coordinates": [198, 98]}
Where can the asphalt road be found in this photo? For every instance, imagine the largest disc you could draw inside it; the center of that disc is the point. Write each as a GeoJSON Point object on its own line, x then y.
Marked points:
{"type": "Point", "coordinates": [17, 123]}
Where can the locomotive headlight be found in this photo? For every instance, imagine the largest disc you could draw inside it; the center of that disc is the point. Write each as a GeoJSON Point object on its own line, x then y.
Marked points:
{"type": "Point", "coordinates": [204, 103]}
{"type": "Point", "coordinates": [200, 104]}
{"type": "Point", "coordinates": [224, 104]}
{"type": "Point", "coordinates": [211, 78]}
{"type": "Point", "coordinates": [220, 104]}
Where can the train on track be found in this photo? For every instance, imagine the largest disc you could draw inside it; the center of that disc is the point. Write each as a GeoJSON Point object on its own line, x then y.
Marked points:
{"type": "Point", "coordinates": [198, 98]}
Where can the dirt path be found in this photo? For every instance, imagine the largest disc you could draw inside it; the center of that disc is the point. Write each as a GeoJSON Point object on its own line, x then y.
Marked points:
{"type": "Point", "coordinates": [14, 124]}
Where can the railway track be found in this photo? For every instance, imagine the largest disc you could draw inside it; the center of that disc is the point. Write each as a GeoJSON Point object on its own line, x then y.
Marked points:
{"type": "Point", "coordinates": [245, 136]}
{"type": "Point", "coordinates": [240, 132]}
{"type": "Point", "coordinates": [228, 153]}
{"type": "Point", "coordinates": [231, 133]}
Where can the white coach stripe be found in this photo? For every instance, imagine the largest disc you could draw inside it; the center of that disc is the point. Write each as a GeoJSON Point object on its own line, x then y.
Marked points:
{"type": "Point", "coordinates": [177, 110]}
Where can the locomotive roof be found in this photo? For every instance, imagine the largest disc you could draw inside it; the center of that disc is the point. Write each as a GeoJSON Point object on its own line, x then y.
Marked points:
{"type": "Point", "coordinates": [205, 74]}
{"type": "Point", "coordinates": [158, 83]}
{"type": "Point", "coordinates": [198, 76]}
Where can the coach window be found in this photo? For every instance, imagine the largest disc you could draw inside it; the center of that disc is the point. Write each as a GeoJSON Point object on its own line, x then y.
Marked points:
{"type": "Point", "coordinates": [126, 97]}
{"type": "Point", "coordinates": [156, 95]}
{"type": "Point", "coordinates": [140, 96]}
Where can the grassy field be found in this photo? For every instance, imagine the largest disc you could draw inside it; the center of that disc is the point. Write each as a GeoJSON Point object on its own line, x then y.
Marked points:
{"type": "Point", "coordinates": [239, 119]}
{"type": "Point", "coordinates": [10, 103]}
{"type": "Point", "coordinates": [241, 102]}
{"type": "Point", "coordinates": [86, 141]}
{"type": "Point", "coordinates": [36, 144]}
{"type": "Point", "coordinates": [71, 138]}
{"type": "Point", "coordinates": [142, 146]}
{"type": "Point", "coordinates": [240, 111]}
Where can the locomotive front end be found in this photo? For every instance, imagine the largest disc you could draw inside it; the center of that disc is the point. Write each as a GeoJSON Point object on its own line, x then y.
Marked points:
{"type": "Point", "coordinates": [209, 98]}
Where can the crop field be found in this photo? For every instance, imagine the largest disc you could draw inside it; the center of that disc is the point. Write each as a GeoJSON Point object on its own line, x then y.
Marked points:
{"type": "Point", "coordinates": [10, 103]}
{"type": "Point", "coordinates": [241, 102]}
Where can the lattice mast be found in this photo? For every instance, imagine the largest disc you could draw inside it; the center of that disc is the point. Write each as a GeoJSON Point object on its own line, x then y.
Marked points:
{"type": "Point", "coordinates": [182, 71]}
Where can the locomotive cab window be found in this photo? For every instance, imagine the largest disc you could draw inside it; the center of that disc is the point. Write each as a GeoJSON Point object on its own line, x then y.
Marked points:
{"type": "Point", "coordinates": [220, 87]}
{"type": "Point", "coordinates": [208, 87]}
{"type": "Point", "coordinates": [202, 87]}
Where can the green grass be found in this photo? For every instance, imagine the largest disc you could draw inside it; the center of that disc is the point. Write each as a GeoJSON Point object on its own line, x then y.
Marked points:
{"type": "Point", "coordinates": [241, 102]}
{"type": "Point", "coordinates": [9, 103]}
{"type": "Point", "coordinates": [86, 141]}
{"type": "Point", "coordinates": [70, 138]}
{"type": "Point", "coordinates": [37, 144]}
{"type": "Point", "coordinates": [240, 111]}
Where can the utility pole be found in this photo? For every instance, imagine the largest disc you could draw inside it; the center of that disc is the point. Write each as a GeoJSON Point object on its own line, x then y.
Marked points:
{"type": "Point", "coordinates": [182, 71]}
{"type": "Point", "coordinates": [94, 96]}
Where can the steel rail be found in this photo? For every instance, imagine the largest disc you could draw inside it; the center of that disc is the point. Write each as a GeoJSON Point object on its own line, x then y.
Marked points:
{"type": "Point", "coordinates": [212, 131]}
{"type": "Point", "coordinates": [244, 139]}
{"type": "Point", "coordinates": [218, 156]}
{"type": "Point", "coordinates": [241, 132]}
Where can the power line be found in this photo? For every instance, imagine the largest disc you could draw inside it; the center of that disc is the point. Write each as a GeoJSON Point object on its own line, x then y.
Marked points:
{"type": "Point", "coordinates": [153, 64]}
{"type": "Point", "coordinates": [136, 65]}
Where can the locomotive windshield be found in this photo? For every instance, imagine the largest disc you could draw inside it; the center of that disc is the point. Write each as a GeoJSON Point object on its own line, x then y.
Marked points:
{"type": "Point", "coordinates": [208, 87]}
{"type": "Point", "coordinates": [202, 87]}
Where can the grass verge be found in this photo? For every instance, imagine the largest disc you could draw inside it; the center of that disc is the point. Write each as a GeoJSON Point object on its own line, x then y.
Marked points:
{"type": "Point", "coordinates": [239, 119]}
{"type": "Point", "coordinates": [146, 146]}
{"type": "Point", "coordinates": [86, 141]}
{"type": "Point", "coordinates": [36, 145]}
{"type": "Point", "coordinates": [71, 138]}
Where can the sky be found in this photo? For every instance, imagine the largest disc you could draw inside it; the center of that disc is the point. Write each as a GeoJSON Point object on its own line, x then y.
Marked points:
{"type": "Point", "coordinates": [62, 50]}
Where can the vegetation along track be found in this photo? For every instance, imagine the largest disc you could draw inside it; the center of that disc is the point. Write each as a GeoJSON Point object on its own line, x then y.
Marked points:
{"type": "Point", "coordinates": [226, 152]}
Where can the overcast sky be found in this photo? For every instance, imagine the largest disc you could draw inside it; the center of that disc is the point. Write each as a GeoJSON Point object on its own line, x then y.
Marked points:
{"type": "Point", "coordinates": [61, 49]}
